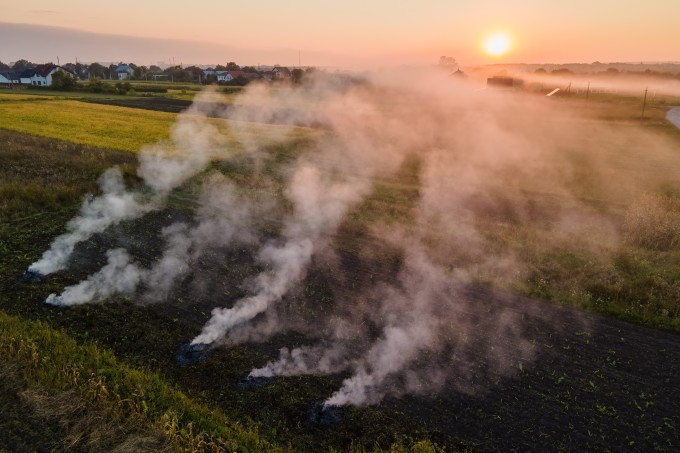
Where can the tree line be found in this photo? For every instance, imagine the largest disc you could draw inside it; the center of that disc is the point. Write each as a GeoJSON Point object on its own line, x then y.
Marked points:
{"type": "Point", "coordinates": [176, 73]}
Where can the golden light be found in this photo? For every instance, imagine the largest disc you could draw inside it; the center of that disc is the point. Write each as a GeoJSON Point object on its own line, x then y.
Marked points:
{"type": "Point", "coordinates": [497, 44]}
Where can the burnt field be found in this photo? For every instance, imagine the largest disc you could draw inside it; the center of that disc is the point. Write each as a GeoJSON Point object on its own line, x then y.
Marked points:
{"type": "Point", "coordinates": [583, 382]}
{"type": "Point", "coordinates": [466, 278]}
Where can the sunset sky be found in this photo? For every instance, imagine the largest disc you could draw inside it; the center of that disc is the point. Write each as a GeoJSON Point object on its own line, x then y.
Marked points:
{"type": "Point", "coordinates": [347, 32]}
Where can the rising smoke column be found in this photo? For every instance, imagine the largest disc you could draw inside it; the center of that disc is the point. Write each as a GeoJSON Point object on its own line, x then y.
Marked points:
{"type": "Point", "coordinates": [222, 218]}
{"type": "Point", "coordinates": [113, 206]}
{"type": "Point", "coordinates": [163, 167]}
{"type": "Point", "coordinates": [318, 208]}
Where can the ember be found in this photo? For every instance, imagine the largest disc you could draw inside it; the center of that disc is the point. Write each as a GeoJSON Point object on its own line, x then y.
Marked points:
{"type": "Point", "coordinates": [30, 276]}
{"type": "Point", "coordinates": [191, 353]}
{"type": "Point", "coordinates": [326, 415]}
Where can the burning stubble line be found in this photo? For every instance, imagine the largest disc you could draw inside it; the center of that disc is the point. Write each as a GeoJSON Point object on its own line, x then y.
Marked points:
{"type": "Point", "coordinates": [222, 219]}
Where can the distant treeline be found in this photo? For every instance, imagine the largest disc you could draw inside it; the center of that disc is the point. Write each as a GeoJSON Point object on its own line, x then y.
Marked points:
{"type": "Point", "coordinates": [662, 70]}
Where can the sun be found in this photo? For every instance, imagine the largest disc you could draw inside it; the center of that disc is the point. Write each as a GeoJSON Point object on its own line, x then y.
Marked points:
{"type": "Point", "coordinates": [497, 44]}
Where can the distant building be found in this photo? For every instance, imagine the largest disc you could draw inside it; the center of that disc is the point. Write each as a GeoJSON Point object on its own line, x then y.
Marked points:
{"type": "Point", "coordinates": [124, 72]}
{"type": "Point", "coordinates": [220, 76]}
{"type": "Point", "coordinates": [41, 75]}
{"type": "Point", "coordinates": [281, 73]}
{"type": "Point", "coordinates": [10, 78]}
{"type": "Point", "coordinates": [504, 82]}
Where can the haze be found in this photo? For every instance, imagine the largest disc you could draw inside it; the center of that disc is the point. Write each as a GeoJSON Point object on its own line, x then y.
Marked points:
{"type": "Point", "coordinates": [349, 33]}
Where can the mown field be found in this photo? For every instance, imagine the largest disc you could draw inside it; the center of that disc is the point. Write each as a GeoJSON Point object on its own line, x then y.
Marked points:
{"type": "Point", "coordinates": [594, 383]}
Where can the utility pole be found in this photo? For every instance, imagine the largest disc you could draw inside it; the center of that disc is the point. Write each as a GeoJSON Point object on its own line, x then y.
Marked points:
{"type": "Point", "coordinates": [644, 104]}
{"type": "Point", "coordinates": [588, 92]}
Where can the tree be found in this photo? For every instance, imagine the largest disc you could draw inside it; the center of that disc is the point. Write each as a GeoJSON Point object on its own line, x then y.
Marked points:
{"type": "Point", "coordinates": [61, 80]}
{"type": "Point", "coordinates": [249, 69]}
{"type": "Point", "coordinates": [177, 74]}
{"type": "Point", "coordinates": [4, 67]}
{"type": "Point", "coordinates": [22, 65]}
{"type": "Point", "coordinates": [561, 71]}
{"type": "Point", "coordinates": [80, 70]}
{"type": "Point", "coordinates": [196, 73]}
{"type": "Point", "coordinates": [447, 63]}
{"type": "Point", "coordinates": [97, 70]}
{"type": "Point", "coordinates": [231, 66]}
{"type": "Point", "coordinates": [296, 75]}
{"type": "Point", "coordinates": [140, 72]}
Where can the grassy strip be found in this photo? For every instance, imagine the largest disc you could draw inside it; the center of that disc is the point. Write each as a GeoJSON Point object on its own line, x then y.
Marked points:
{"type": "Point", "coordinates": [51, 359]}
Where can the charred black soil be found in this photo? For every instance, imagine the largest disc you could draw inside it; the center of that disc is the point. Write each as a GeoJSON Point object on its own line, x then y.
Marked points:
{"type": "Point", "coordinates": [584, 383]}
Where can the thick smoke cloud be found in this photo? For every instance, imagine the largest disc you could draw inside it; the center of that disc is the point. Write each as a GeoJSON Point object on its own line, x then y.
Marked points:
{"type": "Point", "coordinates": [476, 167]}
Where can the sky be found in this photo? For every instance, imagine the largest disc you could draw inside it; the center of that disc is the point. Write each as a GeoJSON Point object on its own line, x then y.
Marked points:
{"type": "Point", "coordinates": [341, 33]}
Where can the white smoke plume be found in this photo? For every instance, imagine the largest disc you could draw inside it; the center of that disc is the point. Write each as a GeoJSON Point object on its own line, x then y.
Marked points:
{"type": "Point", "coordinates": [319, 207]}
{"type": "Point", "coordinates": [321, 359]}
{"type": "Point", "coordinates": [119, 276]}
{"type": "Point", "coordinates": [163, 167]}
{"type": "Point", "coordinates": [222, 218]}
{"type": "Point", "coordinates": [113, 206]}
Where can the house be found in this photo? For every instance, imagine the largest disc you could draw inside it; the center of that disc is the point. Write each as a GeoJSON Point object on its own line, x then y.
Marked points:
{"type": "Point", "coordinates": [124, 72]}
{"type": "Point", "coordinates": [281, 73]}
{"type": "Point", "coordinates": [10, 78]}
{"type": "Point", "coordinates": [41, 75]}
{"type": "Point", "coordinates": [219, 76]}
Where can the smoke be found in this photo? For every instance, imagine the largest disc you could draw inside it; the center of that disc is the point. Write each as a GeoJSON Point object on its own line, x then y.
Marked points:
{"type": "Point", "coordinates": [113, 206]}
{"type": "Point", "coordinates": [222, 218]}
{"type": "Point", "coordinates": [421, 207]}
{"type": "Point", "coordinates": [318, 208]}
{"type": "Point", "coordinates": [162, 167]}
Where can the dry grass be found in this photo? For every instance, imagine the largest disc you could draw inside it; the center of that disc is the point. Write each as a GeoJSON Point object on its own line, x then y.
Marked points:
{"type": "Point", "coordinates": [653, 222]}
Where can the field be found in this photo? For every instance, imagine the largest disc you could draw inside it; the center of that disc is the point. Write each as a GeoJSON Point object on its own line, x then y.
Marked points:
{"type": "Point", "coordinates": [564, 332]}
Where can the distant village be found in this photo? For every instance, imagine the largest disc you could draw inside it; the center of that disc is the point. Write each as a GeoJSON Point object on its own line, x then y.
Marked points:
{"type": "Point", "coordinates": [25, 73]}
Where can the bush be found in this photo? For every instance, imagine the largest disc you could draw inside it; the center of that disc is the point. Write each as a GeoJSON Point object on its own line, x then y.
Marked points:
{"type": "Point", "coordinates": [63, 81]}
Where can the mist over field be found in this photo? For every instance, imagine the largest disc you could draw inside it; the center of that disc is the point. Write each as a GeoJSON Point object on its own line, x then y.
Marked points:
{"type": "Point", "coordinates": [482, 169]}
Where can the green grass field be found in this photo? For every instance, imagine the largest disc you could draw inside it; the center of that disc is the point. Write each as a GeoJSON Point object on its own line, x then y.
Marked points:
{"type": "Point", "coordinates": [89, 124]}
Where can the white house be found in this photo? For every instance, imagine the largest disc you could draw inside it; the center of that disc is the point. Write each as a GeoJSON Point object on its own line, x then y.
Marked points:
{"type": "Point", "coordinates": [221, 76]}
{"type": "Point", "coordinates": [9, 78]}
{"type": "Point", "coordinates": [124, 72]}
{"type": "Point", "coordinates": [41, 75]}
